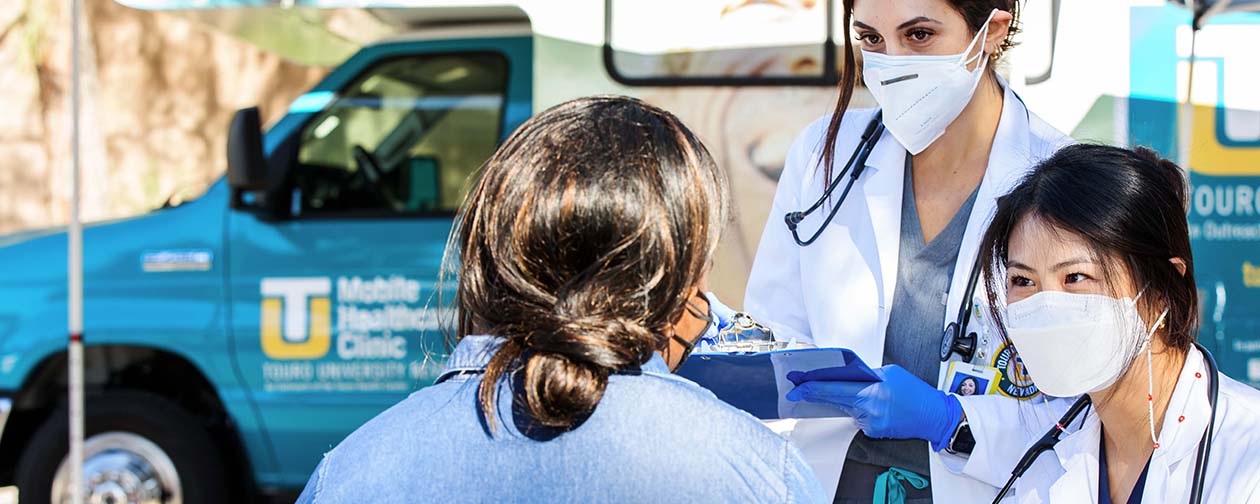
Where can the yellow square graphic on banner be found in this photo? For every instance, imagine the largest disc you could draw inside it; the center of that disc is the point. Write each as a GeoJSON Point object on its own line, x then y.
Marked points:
{"type": "Point", "coordinates": [1251, 275]}
{"type": "Point", "coordinates": [318, 334]}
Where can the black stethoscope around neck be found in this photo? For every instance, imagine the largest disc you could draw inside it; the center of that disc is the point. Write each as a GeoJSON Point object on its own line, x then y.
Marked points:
{"type": "Point", "coordinates": [1051, 437]}
{"type": "Point", "coordinates": [957, 339]}
{"type": "Point", "coordinates": [853, 168]}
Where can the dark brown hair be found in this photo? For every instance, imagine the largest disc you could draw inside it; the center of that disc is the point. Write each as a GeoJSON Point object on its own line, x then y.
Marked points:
{"type": "Point", "coordinates": [974, 12]}
{"type": "Point", "coordinates": [1129, 206]}
{"type": "Point", "coordinates": [580, 245]}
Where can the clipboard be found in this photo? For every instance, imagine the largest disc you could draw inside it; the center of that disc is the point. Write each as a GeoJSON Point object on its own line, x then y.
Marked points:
{"type": "Point", "coordinates": [757, 382]}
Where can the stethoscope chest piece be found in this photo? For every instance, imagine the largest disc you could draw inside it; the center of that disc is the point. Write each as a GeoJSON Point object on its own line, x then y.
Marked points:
{"type": "Point", "coordinates": [954, 342]}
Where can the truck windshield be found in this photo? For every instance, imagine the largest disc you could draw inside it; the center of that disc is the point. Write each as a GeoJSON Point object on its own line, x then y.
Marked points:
{"type": "Point", "coordinates": [404, 136]}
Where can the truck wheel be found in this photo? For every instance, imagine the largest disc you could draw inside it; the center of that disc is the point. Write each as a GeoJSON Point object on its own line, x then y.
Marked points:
{"type": "Point", "coordinates": [140, 448]}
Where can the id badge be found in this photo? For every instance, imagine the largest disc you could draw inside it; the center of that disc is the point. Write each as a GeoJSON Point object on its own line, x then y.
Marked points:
{"type": "Point", "coordinates": [968, 379]}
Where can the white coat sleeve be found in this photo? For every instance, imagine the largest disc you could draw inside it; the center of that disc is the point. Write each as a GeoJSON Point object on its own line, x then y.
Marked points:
{"type": "Point", "coordinates": [1004, 428]}
{"type": "Point", "coordinates": [774, 296]}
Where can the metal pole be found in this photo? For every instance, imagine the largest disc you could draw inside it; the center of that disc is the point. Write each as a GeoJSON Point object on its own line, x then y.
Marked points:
{"type": "Point", "coordinates": [1185, 123]}
{"type": "Point", "coordinates": [75, 275]}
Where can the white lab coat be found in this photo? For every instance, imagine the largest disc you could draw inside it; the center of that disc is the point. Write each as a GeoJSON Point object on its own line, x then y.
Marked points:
{"type": "Point", "coordinates": [1070, 472]}
{"type": "Point", "coordinates": [838, 291]}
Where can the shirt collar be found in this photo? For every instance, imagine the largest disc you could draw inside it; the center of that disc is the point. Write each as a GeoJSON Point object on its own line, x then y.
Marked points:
{"type": "Point", "coordinates": [473, 354]}
{"type": "Point", "coordinates": [1188, 410]}
{"type": "Point", "coordinates": [1184, 422]}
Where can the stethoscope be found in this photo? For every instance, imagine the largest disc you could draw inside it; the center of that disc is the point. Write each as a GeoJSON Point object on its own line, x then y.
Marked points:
{"type": "Point", "coordinates": [870, 137]}
{"type": "Point", "coordinates": [957, 339]}
{"type": "Point", "coordinates": [1051, 437]}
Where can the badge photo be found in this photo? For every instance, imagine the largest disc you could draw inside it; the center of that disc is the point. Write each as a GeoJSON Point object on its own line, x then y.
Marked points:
{"type": "Point", "coordinates": [967, 379]}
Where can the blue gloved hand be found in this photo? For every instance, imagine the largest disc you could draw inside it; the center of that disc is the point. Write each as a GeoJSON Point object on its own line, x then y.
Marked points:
{"type": "Point", "coordinates": [722, 316]}
{"type": "Point", "coordinates": [901, 406]}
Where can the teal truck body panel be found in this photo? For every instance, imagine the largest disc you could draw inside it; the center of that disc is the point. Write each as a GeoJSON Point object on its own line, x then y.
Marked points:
{"type": "Point", "coordinates": [197, 280]}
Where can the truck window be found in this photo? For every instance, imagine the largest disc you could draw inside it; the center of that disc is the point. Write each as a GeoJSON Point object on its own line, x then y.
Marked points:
{"type": "Point", "coordinates": [404, 137]}
{"type": "Point", "coordinates": [721, 43]}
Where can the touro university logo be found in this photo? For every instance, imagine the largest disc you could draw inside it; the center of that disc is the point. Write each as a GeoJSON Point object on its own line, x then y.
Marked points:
{"type": "Point", "coordinates": [1015, 381]}
{"type": "Point", "coordinates": [296, 318]}
{"type": "Point", "coordinates": [347, 334]}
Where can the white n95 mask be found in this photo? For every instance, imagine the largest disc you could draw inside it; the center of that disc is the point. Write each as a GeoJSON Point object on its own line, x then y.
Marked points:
{"type": "Point", "coordinates": [922, 95]}
{"type": "Point", "coordinates": [1072, 344]}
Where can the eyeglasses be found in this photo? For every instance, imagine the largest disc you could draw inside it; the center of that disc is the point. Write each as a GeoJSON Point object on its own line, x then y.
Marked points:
{"type": "Point", "coordinates": [694, 311]}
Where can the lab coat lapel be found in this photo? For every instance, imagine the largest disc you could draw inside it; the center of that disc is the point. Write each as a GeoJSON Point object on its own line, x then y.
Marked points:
{"type": "Point", "coordinates": [1078, 456]}
{"type": "Point", "coordinates": [1009, 160]}
{"type": "Point", "coordinates": [1179, 437]}
{"type": "Point", "coordinates": [883, 189]}
{"type": "Point", "coordinates": [1184, 424]}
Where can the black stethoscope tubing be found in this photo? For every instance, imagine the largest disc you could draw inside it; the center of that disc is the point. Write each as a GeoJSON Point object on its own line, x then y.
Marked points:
{"type": "Point", "coordinates": [957, 338]}
{"type": "Point", "coordinates": [870, 137]}
{"type": "Point", "coordinates": [1051, 437]}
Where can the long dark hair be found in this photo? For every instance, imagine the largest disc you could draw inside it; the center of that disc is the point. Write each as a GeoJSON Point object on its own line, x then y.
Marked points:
{"type": "Point", "coordinates": [580, 245]}
{"type": "Point", "coordinates": [975, 12]}
{"type": "Point", "coordinates": [1129, 206]}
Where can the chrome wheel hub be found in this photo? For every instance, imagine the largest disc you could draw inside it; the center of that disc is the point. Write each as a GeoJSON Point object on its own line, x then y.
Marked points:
{"type": "Point", "coordinates": [121, 468]}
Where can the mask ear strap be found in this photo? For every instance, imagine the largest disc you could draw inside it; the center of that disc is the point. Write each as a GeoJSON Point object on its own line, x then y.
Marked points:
{"type": "Point", "coordinates": [1150, 377]}
{"type": "Point", "coordinates": [1151, 331]}
{"type": "Point", "coordinates": [981, 35]}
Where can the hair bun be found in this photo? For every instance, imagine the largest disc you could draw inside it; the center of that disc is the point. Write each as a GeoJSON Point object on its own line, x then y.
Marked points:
{"type": "Point", "coordinates": [567, 361]}
{"type": "Point", "coordinates": [610, 343]}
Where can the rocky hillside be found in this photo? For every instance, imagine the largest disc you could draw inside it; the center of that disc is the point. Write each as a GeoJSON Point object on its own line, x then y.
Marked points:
{"type": "Point", "coordinates": [158, 92]}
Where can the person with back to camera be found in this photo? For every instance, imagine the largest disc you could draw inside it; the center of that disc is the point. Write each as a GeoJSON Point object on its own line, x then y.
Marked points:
{"type": "Point", "coordinates": [583, 249]}
{"type": "Point", "coordinates": [1090, 275]}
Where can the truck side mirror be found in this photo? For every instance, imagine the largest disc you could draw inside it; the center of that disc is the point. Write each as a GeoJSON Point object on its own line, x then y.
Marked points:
{"type": "Point", "coordinates": [247, 167]}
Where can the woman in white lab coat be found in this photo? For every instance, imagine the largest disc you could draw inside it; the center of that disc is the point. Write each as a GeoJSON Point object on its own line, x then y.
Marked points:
{"type": "Point", "coordinates": [1092, 256]}
{"type": "Point", "coordinates": [888, 270]}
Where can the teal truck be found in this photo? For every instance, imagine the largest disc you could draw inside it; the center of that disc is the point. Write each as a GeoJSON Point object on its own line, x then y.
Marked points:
{"type": "Point", "coordinates": [233, 339]}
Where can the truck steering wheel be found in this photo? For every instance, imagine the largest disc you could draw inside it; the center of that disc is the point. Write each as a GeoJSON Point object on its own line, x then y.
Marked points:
{"type": "Point", "coordinates": [370, 172]}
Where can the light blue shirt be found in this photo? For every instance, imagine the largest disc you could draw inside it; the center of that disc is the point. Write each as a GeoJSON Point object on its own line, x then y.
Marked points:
{"type": "Point", "coordinates": [654, 437]}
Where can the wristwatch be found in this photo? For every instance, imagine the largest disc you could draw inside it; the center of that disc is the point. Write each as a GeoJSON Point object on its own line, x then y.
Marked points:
{"type": "Point", "coordinates": [962, 442]}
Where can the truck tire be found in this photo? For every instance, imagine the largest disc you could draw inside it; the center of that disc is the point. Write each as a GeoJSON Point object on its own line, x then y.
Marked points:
{"type": "Point", "coordinates": [134, 439]}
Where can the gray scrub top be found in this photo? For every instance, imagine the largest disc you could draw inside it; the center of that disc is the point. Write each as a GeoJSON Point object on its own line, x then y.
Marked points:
{"type": "Point", "coordinates": [924, 272]}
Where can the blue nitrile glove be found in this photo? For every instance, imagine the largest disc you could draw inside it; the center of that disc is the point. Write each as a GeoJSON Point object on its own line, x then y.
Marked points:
{"type": "Point", "coordinates": [722, 316]}
{"type": "Point", "coordinates": [901, 406]}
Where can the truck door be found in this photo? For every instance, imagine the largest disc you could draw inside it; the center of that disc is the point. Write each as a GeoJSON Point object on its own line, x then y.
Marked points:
{"type": "Point", "coordinates": [333, 310]}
